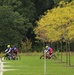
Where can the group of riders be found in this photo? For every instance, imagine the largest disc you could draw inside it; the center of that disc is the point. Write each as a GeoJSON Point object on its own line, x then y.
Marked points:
{"type": "Point", "coordinates": [11, 52]}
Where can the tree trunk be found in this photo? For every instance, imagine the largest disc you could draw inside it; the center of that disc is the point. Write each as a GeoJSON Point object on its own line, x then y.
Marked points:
{"type": "Point", "coordinates": [69, 53]}
{"type": "Point", "coordinates": [66, 52]}
{"type": "Point", "coordinates": [61, 50]}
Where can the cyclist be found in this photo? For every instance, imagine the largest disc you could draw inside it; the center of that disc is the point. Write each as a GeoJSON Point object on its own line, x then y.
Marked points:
{"type": "Point", "coordinates": [8, 52]}
{"type": "Point", "coordinates": [49, 50]}
{"type": "Point", "coordinates": [14, 52]}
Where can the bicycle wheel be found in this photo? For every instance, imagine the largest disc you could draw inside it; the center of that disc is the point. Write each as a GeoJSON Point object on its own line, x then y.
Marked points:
{"type": "Point", "coordinates": [4, 58]}
{"type": "Point", "coordinates": [42, 57]}
{"type": "Point", "coordinates": [18, 57]}
{"type": "Point", "coordinates": [54, 57]}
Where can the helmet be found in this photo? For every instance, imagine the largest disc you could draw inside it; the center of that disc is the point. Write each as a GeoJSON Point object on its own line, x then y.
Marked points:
{"type": "Point", "coordinates": [46, 47]}
{"type": "Point", "coordinates": [8, 46]}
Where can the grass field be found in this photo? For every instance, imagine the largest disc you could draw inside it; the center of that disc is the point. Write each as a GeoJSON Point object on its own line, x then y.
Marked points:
{"type": "Point", "coordinates": [32, 65]}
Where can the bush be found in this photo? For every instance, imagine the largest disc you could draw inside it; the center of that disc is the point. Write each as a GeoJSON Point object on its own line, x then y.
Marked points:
{"type": "Point", "coordinates": [26, 46]}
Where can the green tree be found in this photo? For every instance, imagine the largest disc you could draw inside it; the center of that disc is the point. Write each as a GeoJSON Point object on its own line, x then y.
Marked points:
{"type": "Point", "coordinates": [43, 5]}
{"type": "Point", "coordinates": [11, 26]}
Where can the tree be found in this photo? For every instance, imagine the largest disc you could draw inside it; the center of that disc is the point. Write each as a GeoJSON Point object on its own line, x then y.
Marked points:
{"type": "Point", "coordinates": [53, 25]}
{"type": "Point", "coordinates": [43, 5]}
{"type": "Point", "coordinates": [11, 26]}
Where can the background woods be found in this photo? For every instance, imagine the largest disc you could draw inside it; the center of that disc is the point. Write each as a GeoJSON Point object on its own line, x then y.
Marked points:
{"type": "Point", "coordinates": [18, 23]}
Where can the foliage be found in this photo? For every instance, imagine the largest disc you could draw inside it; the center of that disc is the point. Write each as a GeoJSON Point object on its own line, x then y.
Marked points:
{"type": "Point", "coordinates": [17, 19]}
{"type": "Point", "coordinates": [56, 2]}
{"type": "Point", "coordinates": [56, 24]}
{"type": "Point", "coordinates": [43, 5]}
{"type": "Point", "coordinates": [10, 23]}
{"type": "Point", "coordinates": [26, 45]}
{"type": "Point", "coordinates": [38, 47]}
{"type": "Point", "coordinates": [14, 25]}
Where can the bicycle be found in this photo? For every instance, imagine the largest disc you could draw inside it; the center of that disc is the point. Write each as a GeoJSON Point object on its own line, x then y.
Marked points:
{"type": "Point", "coordinates": [11, 57]}
{"type": "Point", "coordinates": [53, 56]}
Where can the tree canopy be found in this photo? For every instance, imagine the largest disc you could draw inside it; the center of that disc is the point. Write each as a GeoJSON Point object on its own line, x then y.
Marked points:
{"type": "Point", "coordinates": [56, 24]}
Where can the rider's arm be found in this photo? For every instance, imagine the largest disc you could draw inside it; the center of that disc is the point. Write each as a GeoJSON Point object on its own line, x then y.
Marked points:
{"type": "Point", "coordinates": [9, 50]}
{"type": "Point", "coordinates": [45, 50]}
{"type": "Point", "coordinates": [6, 50]}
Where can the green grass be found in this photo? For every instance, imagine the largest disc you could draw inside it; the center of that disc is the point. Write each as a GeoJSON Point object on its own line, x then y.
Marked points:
{"type": "Point", "coordinates": [32, 65]}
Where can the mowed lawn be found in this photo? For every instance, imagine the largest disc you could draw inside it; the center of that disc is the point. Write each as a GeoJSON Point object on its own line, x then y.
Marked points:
{"type": "Point", "coordinates": [32, 65]}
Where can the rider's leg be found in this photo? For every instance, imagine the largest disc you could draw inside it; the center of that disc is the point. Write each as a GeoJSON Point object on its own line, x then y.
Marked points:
{"type": "Point", "coordinates": [50, 55]}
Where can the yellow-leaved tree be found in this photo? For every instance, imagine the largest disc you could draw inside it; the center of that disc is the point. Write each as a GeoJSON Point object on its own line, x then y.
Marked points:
{"type": "Point", "coordinates": [56, 24]}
